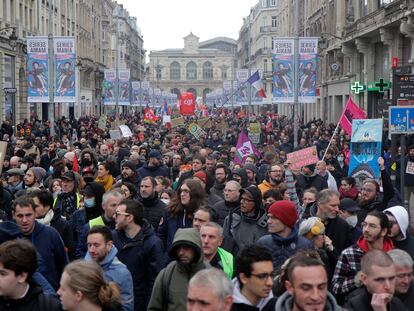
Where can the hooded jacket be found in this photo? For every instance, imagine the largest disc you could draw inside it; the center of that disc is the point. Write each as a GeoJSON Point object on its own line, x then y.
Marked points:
{"type": "Point", "coordinates": [247, 229]}
{"type": "Point", "coordinates": [143, 257]}
{"type": "Point", "coordinates": [243, 174]}
{"type": "Point", "coordinates": [96, 210]}
{"type": "Point", "coordinates": [283, 248]}
{"type": "Point", "coordinates": [241, 303]}
{"type": "Point", "coordinates": [152, 171]}
{"type": "Point", "coordinates": [170, 288]}
{"type": "Point", "coordinates": [285, 303]}
{"type": "Point", "coordinates": [224, 208]}
{"type": "Point", "coordinates": [116, 271]}
{"type": "Point", "coordinates": [401, 216]}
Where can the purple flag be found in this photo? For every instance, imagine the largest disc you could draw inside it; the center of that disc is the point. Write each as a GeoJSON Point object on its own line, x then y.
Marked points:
{"type": "Point", "coordinates": [244, 148]}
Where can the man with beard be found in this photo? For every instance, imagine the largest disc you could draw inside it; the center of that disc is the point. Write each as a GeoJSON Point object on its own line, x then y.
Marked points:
{"type": "Point", "coordinates": [68, 200]}
{"type": "Point", "coordinates": [370, 197]}
{"type": "Point", "coordinates": [327, 209]}
{"type": "Point", "coordinates": [46, 158]}
{"type": "Point", "coordinates": [404, 288]}
{"type": "Point", "coordinates": [129, 174]}
{"type": "Point", "coordinates": [103, 153]}
{"type": "Point", "coordinates": [148, 197]}
{"type": "Point", "coordinates": [230, 203]}
{"type": "Point", "coordinates": [15, 180]}
{"type": "Point", "coordinates": [399, 222]}
{"type": "Point", "coordinates": [87, 159]}
{"type": "Point", "coordinates": [170, 288]}
{"type": "Point", "coordinates": [251, 171]}
{"type": "Point", "coordinates": [374, 236]}
{"type": "Point", "coordinates": [210, 164]}
{"type": "Point", "coordinates": [154, 166]}
{"type": "Point", "coordinates": [221, 176]}
{"type": "Point", "coordinates": [275, 177]}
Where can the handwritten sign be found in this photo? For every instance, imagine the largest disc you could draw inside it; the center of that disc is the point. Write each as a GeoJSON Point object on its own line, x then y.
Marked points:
{"type": "Point", "coordinates": [204, 123]}
{"type": "Point", "coordinates": [115, 134]}
{"type": "Point", "coordinates": [125, 130]}
{"type": "Point", "coordinates": [410, 168]}
{"type": "Point", "coordinates": [175, 122]}
{"type": "Point", "coordinates": [196, 131]}
{"type": "Point", "coordinates": [303, 157]}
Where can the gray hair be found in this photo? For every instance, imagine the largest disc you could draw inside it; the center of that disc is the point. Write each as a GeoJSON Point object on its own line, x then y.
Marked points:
{"type": "Point", "coordinates": [214, 225]}
{"type": "Point", "coordinates": [215, 280]}
{"type": "Point", "coordinates": [113, 193]}
{"type": "Point", "coordinates": [401, 258]}
{"type": "Point", "coordinates": [235, 183]}
{"type": "Point", "coordinates": [325, 195]}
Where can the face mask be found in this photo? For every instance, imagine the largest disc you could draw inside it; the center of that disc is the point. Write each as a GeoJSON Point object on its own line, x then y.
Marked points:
{"type": "Point", "coordinates": [89, 202]}
{"type": "Point", "coordinates": [23, 167]}
{"type": "Point", "coordinates": [352, 220]}
{"type": "Point", "coordinates": [166, 201]}
{"type": "Point", "coordinates": [341, 159]}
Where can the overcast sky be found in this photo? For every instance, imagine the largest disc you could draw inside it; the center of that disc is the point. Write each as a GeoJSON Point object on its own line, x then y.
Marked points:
{"type": "Point", "coordinates": [164, 23]}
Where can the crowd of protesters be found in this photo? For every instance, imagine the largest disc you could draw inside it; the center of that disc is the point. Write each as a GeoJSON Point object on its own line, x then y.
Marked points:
{"type": "Point", "coordinates": [164, 220]}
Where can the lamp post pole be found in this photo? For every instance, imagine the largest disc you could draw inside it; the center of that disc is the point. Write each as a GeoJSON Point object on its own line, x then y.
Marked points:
{"type": "Point", "coordinates": [51, 70]}
{"type": "Point", "coordinates": [296, 77]}
{"type": "Point", "coordinates": [117, 75]}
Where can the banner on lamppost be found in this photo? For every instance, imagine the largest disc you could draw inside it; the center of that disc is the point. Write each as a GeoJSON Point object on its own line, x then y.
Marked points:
{"type": "Point", "coordinates": [65, 77]}
{"type": "Point", "coordinates": [136, 93]}
{"type": "Point", "coordinates": [308, 49]}
{"type": "Point", "coordinates": [283, 70]}
{"type": "Point", "coordinates": [242, 96]}
{"type": "Point", "coordinates": [37, 70]}
{"type": "Point", "coordinates": [124, 87]}
{"type": "Point", "coordinates": [109, 87]}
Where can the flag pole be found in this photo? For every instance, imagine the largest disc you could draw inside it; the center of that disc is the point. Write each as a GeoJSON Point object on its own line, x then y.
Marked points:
{"type": "Point", "coordinates": [330, 142]}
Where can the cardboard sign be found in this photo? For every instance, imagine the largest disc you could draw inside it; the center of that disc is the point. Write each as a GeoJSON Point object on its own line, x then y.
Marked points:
{"type": "Point", "coordinates": [410, 168]}
{"type": "Point", "coordinates": [177, 122]}
{"type": "Point", "coordinates": [254, 132]}
{"type": "Point", "coordinates": [115, 134]}
{"type": "Point", "coordinates": [204, 123]}
{"type": "Point", "coordinates": [125, 130]}
{"type": "Point", "coordinates": [303, 157]}
{"type": "Point", "coordinates": [196, 131]}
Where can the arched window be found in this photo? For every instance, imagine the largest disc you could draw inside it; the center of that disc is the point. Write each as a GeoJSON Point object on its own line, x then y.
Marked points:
{"type": "Point", "coordinates": [191, 71]}
{"type": "Point", "coordinates": [207, 71]}
{"type": "Point", "coordinates": [176, 91]}
{"type": "Point", "coordinates": [194, 91]}
{"type": "Point", "coordinates": [175, 71]}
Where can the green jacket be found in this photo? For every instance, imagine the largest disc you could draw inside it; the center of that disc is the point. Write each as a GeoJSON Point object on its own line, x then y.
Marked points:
{"type": "Point", "coordinates": [170, 287]}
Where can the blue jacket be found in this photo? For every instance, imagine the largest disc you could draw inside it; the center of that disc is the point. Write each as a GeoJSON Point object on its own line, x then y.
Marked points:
{"type": "Point", "coordinates": [283, 248]}
{"type": "Point", "coordinates": [143, 257]}
{"type": "Point", "coordinates": [51, 250]}
{"type": "Point", "coordinates": [153, 171]}
{"type": "Point", "coordinates": [116, 271]}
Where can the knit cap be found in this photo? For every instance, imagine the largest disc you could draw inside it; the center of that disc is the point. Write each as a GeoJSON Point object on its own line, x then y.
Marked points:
{"type": "Point", "coordinates": [285, 211]}
{"type": "Point", "coordinates": [202, 176]}
{"type": "Point", "coordinates": [39, 173]}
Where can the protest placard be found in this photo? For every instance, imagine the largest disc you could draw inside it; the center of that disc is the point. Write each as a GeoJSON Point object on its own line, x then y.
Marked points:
{"type": "Point", "coordinates": [175, 122]}
{"type": "Point", "coordinates": [303, 157]}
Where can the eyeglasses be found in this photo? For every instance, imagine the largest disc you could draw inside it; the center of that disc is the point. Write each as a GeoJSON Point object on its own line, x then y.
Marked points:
{"type": "Point", "coordinates": [264, 276]}
{"type": "Point", "coordinates": [246, 199]}
{"type": "Point", "coordinates": [117, 213]}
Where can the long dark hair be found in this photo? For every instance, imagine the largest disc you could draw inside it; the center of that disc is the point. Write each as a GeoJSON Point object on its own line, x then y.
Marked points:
{"type": "Point", "coordinates": [197, 199]}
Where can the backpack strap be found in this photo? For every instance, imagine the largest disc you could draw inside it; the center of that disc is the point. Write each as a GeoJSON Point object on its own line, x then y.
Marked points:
{"type": "Point", "coordinates": [166, 281]}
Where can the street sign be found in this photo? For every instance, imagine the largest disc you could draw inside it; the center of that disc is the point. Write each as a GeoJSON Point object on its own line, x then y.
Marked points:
{"type": "Point", "coordinates": [401, 119]}
{"type": "Point", "coordinates": [10, 90]}
{"type": "Point", "coordinates": [404, 86]}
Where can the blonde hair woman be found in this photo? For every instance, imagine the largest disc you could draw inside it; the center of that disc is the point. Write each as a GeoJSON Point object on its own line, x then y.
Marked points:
{"type": "Point", "coordinates": [82, 287]}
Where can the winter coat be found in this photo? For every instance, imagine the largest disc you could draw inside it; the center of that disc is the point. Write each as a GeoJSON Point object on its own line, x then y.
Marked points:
{"type": "Point", "coordinates": [63, 227]}
{"type": "Point", "coordinates": [6, 201]}
{"type": "Point", "coordinates": [143, 257]}
{"type": "Point", "coordinates": [152, 171]}
{"type": "Point", "coordinates": [283, 248]}
{"type": "Point", "coordinates": [51, 250]}
{"type": "Point", "coordinates": [34, 300]}
{"type": "Point", "coordinates": [241, 303]}
{"type": "Point", "coordinates": [116, 271]}
{"type": "Point", "coordinates": [213, 199]}
{"type": "Point", "coordinates": [306, 182]}
{"type": "Point", "coordinates": [285, 303]}
{"type": "Point", "coordinates": [224, 208]}
{"type": "Point", "coordinates": [170, 288]}
{"type": "Point", "coordinates": [243, 174]}
{"type": "Point", "coordinates": [153, 209]}
{"type": "Point", "coordinates": [408, 298]}
{"type": "Point", "coordinates": [362, 302]}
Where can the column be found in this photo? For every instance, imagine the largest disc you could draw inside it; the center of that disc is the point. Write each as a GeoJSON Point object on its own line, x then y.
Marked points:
{"type": "Point", "coordinates": [364, 47]}
{"type": "Point", "coordinates": [387, 38]}
{"type": "Point", "coordinates": [407, 29]}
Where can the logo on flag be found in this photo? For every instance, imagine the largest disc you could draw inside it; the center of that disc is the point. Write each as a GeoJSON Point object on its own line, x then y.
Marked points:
{"type": "Point", "coordinates": [256, 81]}
{"type": "Point", "coordinates": [149, 116]}
{"type": "Point", "coordinates": [351, 111]}
{"type": "Point", "coordinates": [244, 148]}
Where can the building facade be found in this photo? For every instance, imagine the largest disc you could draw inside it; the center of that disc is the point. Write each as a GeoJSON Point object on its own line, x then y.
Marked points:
{"type": "Point", "coordinates": [200, 67]}
{"type": "Point", "coordinates": [93, 25]}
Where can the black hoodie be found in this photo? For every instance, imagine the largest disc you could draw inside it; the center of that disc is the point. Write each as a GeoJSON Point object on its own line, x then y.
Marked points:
{"type": "Point", "coordinates": [98, 190]}
{"type": "Point", "coordinates": [243, 174]}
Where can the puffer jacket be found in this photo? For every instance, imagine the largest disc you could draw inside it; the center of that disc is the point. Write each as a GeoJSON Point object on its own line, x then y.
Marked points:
{"type": "Point", "coordinates": [153, 209]}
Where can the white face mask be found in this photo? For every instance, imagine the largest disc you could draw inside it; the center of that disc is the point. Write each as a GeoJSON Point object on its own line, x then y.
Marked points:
{"type": "Point", "coordinates": [352, 220]}
{"type": "Point", "coordinates": [166, 201]}
{"type": "Point", "coordinates": [23, 167]}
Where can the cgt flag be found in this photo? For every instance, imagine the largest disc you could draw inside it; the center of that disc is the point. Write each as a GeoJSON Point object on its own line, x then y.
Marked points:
{"type": "Point", "coordinates": [149, 116]}
{"type": "Point", "coordinates": [351, 111]}
{"type": "Point", "coordinates": [256, 81]}
{"type": "Point", "coordinates": [244, 148]}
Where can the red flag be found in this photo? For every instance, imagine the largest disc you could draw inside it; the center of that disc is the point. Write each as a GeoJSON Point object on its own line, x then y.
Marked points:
{"type": "Point", "coordinates": [351, 111]}
{"type": "Point", "coordinates": [149, 116]}
{"type": "Point", "coordinates": [75, 164]}
{"type": "Point", "coordinates": [187, 105]}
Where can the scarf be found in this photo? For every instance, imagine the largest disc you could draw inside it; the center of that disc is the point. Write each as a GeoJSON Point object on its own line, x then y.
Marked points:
{"type": "Point", "coordinates": [47, 219]}
{"type": "Point", "coordinates": [106, 182]}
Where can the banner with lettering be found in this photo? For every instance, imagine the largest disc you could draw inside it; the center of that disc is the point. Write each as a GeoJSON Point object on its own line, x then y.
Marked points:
{"type": "Point", "coordinates": [109, 87]}
{"type": "Point", "coordinates": [366, 143]}
{"type": "Point", "coordinates": [136, 93]}
{"type": "Point", "coordinates": [303, 157]}
{"type": "Point", "coordinates": [283, 70]}
{"type": "Point", "coordinates": [65, 73]}
{"type": "Point", "coordinates": [308, 50]}
{"type": "Point", "coordinates": [37, 70]}
{"type": "Point", "coordinates": [124, 87]}
{"type": "Point", "coordinates": [244, 148]}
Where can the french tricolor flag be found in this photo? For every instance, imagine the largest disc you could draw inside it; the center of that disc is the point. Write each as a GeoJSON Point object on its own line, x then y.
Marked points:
{"type": "Point", "coordinates": [256, 81]}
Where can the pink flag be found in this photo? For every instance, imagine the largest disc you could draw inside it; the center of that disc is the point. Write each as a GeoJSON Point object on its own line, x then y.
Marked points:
{"type": "Point", "coordinates": [244, 148]}
{"type": "Point", "coordinates": [351, 111]}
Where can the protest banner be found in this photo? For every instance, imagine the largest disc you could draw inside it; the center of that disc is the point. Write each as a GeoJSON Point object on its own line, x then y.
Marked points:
{"type": "Point", "coordinates": [196, 131]}
{"type": "Point", "coordinates": [303, 157]}
{"type": "Point", "coordinates": [175, 122]}
{"type": "Point", "coordinates": [115, 134]}
{"type": "Point", "coordinates": [244, 148]}
{"type": "Point", "coordinates": [125, 130]}
{"type": "Point", "coordinates": [254, 132]}
{"type": "Point", "coordinates": [204, 123]}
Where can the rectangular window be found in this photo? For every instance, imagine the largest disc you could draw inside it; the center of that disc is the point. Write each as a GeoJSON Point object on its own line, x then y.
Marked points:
{"type": "Point", "coordinates": [265, 65]}
{"type": "Point", "coordinates": [272, 2]}
{"type": "Point", "coordinates": [9, 74]}
{"type": "Point", "coordinates": [274, 21]}
{"type": "Point", "coordinates": [363, 7]}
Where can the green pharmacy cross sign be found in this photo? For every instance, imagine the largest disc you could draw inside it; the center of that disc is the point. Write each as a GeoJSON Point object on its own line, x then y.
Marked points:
{"type": "Point", "coordinates": [357, 87]}
{"type": "Point", "coordinates": [379, 86]}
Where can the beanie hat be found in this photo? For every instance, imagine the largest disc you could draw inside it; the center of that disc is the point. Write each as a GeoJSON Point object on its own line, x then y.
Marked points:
{"type": "Point", "coordinates": [251, 167]}
{"type": "Point", "coordinates": [39, 173]}
{"type": "Point", "coordinates": [155, 154]}
{"type": "Point", "coordinates": [285, 211]}
{"type": "Point", "coordinates": [202, 176]}
{"type": "Point", "coordinates": [311, 227]}
{"type": "Point", "coordinates": [401, 216]}
{"type": "Point", "coordinates": [130, 165]}
{"type": "Point", "coordinates": [255, 193]}
{"type": "Point", "coordinates": [69, 156]}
